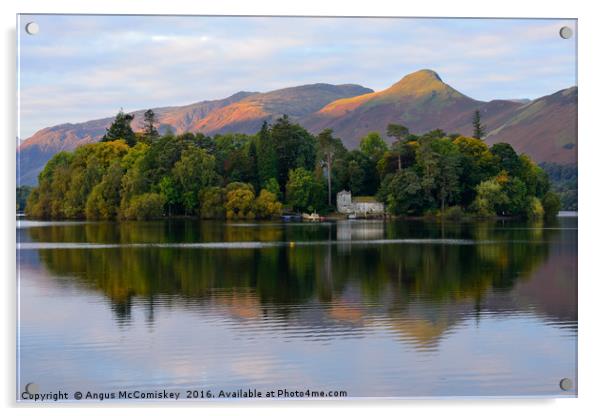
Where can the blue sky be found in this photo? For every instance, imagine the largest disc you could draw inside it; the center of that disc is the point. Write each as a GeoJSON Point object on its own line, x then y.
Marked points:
{"type": "Point", "coordinates": [79, 68]}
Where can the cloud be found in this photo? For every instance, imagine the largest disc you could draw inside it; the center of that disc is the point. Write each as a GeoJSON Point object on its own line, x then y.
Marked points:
{"type": "Point", "coordinates": [84, 67]}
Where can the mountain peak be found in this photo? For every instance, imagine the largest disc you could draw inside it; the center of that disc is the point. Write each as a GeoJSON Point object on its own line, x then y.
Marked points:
{"type": "Point", "coordinates": [424, 75]}
{"type": "Point", "coordinates": [420, 82]}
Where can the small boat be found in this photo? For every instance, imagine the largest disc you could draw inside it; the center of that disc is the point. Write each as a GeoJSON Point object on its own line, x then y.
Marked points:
{"type": "Point", "coordinates": [315, 217]}
{"type": "Point", "coordinates": [352, 216]}
{"type": "Point", "coordinates": [290, 217]}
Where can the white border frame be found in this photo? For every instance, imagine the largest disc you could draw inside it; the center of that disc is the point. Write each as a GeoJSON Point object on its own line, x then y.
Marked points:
{"type": "Point", "coordinates": [590, 201]}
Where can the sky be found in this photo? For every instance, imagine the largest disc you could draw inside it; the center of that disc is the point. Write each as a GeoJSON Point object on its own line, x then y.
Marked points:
{"type": "Point", "coordinates": [83, 67]}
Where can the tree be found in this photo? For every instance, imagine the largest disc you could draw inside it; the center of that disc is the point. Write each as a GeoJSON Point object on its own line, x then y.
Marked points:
{"type": "Point", "coordinates": [303, 191]}
{"type": "Point", "coordinates": [401, 155]}
{"type": "Point", "coordinates": [195, 170]}
{"type": "Point", "coordinates": [402, 194]}
{"type": "Point", "coordinates": [239, 202]}
{"type": "Point", "coordinates": [233, 157]}
{"type": "Point", "coordinates": [46, 201]}
{"type": "Point", "coordinates": [356, 177]}
{"type": "Point", "coordinates": [373, 146]}
{"type": "Point", "coordinates": [449, 164]}
{"type": "Point", "coordinates": [168, 192]}
{"type": "Point", "coordinates": [205, 142]}
{"type": "Point", "coordinates": [516, 200]}
{"type": "Point", "coordinates": [505, 195]}
{"type": "Point", "coordinates": [295, 148]}
{"type": "Point", "coordinates": [551, 205]}
{"type": "Point", "coordinates": [211, 202]}
{"type": "Point", "coordinates": [252, 171]}
{"type": "Point", "coordinates": [149, 130]}
{"type": "Point", "coordinates": [135, 180]}
{"type": "Point", "coordinates": [398, 132]}
{"type": "Point", "coordinates": [160, 158]}
{"type": "Point", "coordinates": [71, 184]}
{"type": "Point", "coordinates": [489, 198]}
{"type": "Point", "coordinates": [478, 131]}
{"type": "Point", "coordinates": [22, 195]}
{"type": "Point", "coordinates": [327, 145]}
{"type": "Point", "coordinates": [533, 176]}
{"type": "Point", "coordinates": [104, 199]}
{"type": "Point", "coordinates": [507, 159]}
{"type": "Point", "coordinates": [362, 174]}
{"type": "Point", "coordinates": [518, 197]}
{"type": "Point", "coordinates": [439, 160]}
{"type": "Point", "coordinates": [535, 209]}
{"type": "Point", "coordinates": [267, 205]}
{"type": "Point", "coordinates": [145, 207]}
{"type": "Point", "coordinates": [120, 129]}
{"type": "Point", "coordinates": [476, 165]}
{"type": "Point", "coordinates": [267, 163]}
{"type": "Point", "coordinates": [273, 187]}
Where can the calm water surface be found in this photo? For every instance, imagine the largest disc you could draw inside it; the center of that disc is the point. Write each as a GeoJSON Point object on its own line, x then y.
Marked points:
{"type": "Point", "coordinates": [376, 309]}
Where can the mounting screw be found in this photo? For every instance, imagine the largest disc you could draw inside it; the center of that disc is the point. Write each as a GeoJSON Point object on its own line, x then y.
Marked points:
{"type": "Point", "coordinates": [566, 32]}
{"type": "Point", "coordinates": [32, 28]}
{"type": "Point", "coordinates": [32, 388]}
{"type": "Point", "coordinates": [566, 384]}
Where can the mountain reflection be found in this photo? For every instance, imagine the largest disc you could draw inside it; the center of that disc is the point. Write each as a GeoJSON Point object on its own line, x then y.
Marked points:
{"type": "Point", "coordinates": [416, 278]}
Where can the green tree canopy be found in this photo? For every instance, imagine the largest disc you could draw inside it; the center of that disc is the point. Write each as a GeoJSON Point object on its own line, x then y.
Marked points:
{"type": "Point", "coordinates": [240, 203]}
{"type": "Point", "coordinates": [195, 170]}
{"type": "Point", "coordinates": [303, 191]}
{"type": "Point", "coordinates": [267, 162]}
{"type": "Point", "coordinates": [295, 148]}
{"type": "Point", "coordinates": [373, 146]}
{"type": "Point", "coordinates": [402, 193]}
{"type": "Point", "coordinates": [243, 176]}
{"type": "Point", "coordinates": [398, 132]}
{"type": "Point", "coordinates": [267, 205]}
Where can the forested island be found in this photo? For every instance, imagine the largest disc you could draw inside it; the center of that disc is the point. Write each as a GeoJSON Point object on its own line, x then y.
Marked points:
{"type": "Point", "coordinates": [146, 175]}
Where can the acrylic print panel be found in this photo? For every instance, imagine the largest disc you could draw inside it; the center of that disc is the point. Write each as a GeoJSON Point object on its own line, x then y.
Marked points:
{"type": "Point", "coordinates": [288, 207]}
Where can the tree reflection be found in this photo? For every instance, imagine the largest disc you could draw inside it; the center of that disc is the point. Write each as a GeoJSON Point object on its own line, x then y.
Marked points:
{"type": "Point", "coordinates": [474, 259]}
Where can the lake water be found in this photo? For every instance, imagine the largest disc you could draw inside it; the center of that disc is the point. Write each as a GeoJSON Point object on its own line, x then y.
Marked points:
{"type": "Point", "coordinates": [375, 309]}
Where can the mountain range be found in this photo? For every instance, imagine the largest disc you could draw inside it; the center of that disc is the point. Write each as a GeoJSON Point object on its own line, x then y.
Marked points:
{"type": "Point", "coordinates": [544, 128]}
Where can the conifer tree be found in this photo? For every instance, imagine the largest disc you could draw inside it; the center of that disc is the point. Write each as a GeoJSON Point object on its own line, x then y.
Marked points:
{"type": "Point", "coordinates": [150, 131]}
{"type": "Point", "coordinates": [120, 129]}
{"type": "Point", "coordinates": [478, 128]}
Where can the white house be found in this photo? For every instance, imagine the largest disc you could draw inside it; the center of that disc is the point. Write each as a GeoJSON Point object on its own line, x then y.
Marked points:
{"type": "Point", "coordinates": [359, 206]}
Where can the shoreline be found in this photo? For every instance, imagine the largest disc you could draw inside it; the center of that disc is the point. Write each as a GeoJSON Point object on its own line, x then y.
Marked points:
{"type": "Point", "coordinates": [326, 218]}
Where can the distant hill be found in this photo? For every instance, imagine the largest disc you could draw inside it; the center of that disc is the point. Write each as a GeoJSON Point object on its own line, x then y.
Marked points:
{"type": "Point", "coordinates": [247, 115]}
{"type": "Point", "coordinates": [544, 128]}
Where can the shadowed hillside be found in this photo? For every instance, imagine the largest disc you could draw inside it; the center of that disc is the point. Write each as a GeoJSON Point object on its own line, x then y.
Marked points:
{"type": "Point", "coordinates": [545, 128]}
